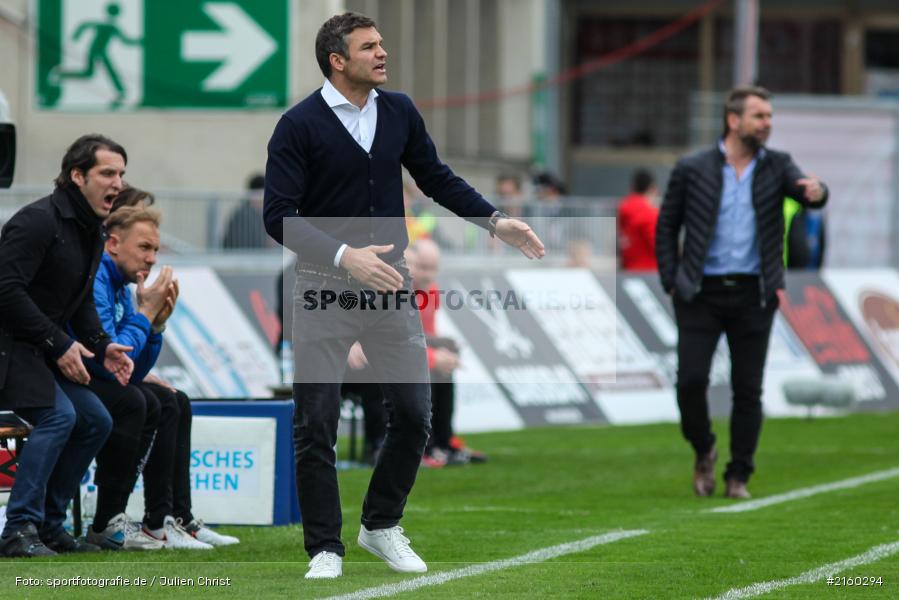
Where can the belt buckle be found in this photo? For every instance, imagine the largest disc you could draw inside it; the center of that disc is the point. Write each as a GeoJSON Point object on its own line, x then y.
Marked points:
{"type": "Point", "coordinates": [728, 281]}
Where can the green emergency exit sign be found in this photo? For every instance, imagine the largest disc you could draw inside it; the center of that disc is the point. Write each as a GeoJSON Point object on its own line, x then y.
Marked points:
{"type": "Point", "coordinates": [132, 54]}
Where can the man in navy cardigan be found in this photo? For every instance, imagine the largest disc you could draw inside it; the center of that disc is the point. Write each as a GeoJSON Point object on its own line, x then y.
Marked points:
{"type": "Point", "coordinates": [339, 153]}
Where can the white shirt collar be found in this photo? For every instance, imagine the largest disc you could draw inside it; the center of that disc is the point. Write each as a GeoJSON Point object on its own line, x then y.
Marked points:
{"type": "Point", "coordinates": [334, 98]}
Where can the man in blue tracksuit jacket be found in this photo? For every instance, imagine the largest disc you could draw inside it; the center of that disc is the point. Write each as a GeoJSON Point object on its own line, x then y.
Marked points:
{"type": "Point", "coordinates": [119, 317]}
{"type": "Point", "coordinates": [151, 420]}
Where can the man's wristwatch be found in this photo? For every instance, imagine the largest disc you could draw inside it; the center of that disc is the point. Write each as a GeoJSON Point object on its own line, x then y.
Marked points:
{"type": "Point", "coordinates": [494, 218]}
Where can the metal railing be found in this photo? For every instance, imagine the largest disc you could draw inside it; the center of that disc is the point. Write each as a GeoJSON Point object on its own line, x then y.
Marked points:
{"type": "Point", "coordinates": [196, 222]}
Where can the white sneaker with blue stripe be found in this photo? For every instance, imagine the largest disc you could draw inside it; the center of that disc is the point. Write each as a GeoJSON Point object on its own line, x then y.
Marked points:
{"type": "Point", "coordinates": [122, 533]}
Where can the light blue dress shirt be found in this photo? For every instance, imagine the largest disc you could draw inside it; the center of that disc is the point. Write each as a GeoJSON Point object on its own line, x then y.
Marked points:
{"type": "Point", "coordinates": [735, 245]}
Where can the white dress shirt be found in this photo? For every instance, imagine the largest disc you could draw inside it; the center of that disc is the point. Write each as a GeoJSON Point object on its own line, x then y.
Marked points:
{"type": "Point", "coordinates": [359, 122]}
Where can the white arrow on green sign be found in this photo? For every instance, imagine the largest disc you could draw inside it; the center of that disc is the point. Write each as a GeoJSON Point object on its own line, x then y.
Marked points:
{"type": "Point", "coordinates": [241, 45]}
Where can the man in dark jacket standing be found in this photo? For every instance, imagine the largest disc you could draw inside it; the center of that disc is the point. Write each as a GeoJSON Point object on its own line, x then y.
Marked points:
{"type": "Point", "coordinates": [729, 198]}
{"type": "Point", "coordinates": [49, 252]}
{"type": "Point", "coordinates": [340, 153]}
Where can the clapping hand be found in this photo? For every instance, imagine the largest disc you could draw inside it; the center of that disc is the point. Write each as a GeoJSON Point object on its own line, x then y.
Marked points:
{"type": "Point", "coordinates": [171, 299]}
{"type": "Point", "coordinates": [152, 300]}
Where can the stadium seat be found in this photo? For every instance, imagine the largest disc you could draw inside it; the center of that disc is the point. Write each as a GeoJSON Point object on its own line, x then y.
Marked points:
{"type": "Point", "coordinates": [825, 391]}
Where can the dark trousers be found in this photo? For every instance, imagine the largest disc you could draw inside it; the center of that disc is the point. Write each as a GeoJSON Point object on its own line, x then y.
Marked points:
{"type": "Point", "coordinates": [60, 448]}
{"type": "Point", "coordinates": [135, 417]}
{"type": "Point", "coordinates": [730, 306]}
{"type": "Point", "coordinates": [442, 406]}
{"type": "Point", "coordinates": [394, 344]}
{"type": "Point", "coordinates": [167, 473]}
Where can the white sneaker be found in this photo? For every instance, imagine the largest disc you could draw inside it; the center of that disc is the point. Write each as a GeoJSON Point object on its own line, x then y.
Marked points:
{"type": "Point", "coordinates": [391, 546]}
{"type": "Point", "coordinates": [325, 565]}
{"type": "Point", "coordinates": [122, 533]}
{"type": "Point", "coordinates": [176, 538]}
{"type": "Point", "coordinates": [209, 536]}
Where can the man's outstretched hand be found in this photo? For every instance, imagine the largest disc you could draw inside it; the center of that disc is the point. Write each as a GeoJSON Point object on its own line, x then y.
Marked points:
{"type": "Point", "coordinates": [519, 234]}
{"type": "Point", "coordinates": [118, 362]}
{"type": "Point", "coordinates": [365, 267]}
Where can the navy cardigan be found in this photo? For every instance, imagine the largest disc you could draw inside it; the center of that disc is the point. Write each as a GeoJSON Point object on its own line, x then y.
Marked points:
{"type": "Point", "coordinates": [316, 171]}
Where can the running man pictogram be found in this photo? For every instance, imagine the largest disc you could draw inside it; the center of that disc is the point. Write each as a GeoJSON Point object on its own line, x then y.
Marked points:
{"type": "Point", "coordinates": [104, 33]}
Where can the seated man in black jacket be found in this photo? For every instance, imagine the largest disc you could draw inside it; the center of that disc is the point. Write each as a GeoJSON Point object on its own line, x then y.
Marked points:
{"type": "Point", "coordinates": [49, 252]}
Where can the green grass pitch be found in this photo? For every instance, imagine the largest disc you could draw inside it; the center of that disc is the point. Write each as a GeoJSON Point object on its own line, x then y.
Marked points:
{"type": "Point", "coordinates": [544, 487]}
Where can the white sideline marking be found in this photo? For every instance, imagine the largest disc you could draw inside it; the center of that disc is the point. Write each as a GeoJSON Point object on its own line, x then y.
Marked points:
{"type": "Point", "coordinates": [809, 491]}
{"type": "Point", "coordinates": [757, 589]}
{"type": "Point", "coordinates": [536, 556]}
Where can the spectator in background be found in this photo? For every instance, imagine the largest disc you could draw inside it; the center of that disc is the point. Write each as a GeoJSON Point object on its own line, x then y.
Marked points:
{"type": "Point", "coordinates": [443, 448]}
{"type": "Point", "coordinates": [49, 252]}
{"type": "Point", "coordinates": [550, 192]}
{"type": "Point", "coordinates": [637, 216]}
{"type": "Point", "coordinates": [804, 237]}
{"type": "Point", "coordinates": [552, 213]}
{"type": "Point", "coordinates": [728, 199]}
{"type": "Point", "coordinates": [245, 229]}
{"type": "Point", "coordinates": [509, 195]}
{"type": "Point", "coordinates": [151, 419]}
{"type": "Point", "coordinates": [420, 221]}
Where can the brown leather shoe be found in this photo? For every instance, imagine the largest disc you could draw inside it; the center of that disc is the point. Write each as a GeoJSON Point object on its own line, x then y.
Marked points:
{"type": "Point", "coordinates": [704, 473]}
{"type": "Point", "coordinates": [734, 488]}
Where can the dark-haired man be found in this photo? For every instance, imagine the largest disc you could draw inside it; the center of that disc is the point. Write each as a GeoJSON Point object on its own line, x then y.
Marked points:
{"type": "Point", "coordinates": [729, 199]}
{"type": "Point", "coordinates": [340, 153]}
{"type": "Point", "coordinates": [49, 253]}
{"type": "Point", "coordinates": [637, 216]}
